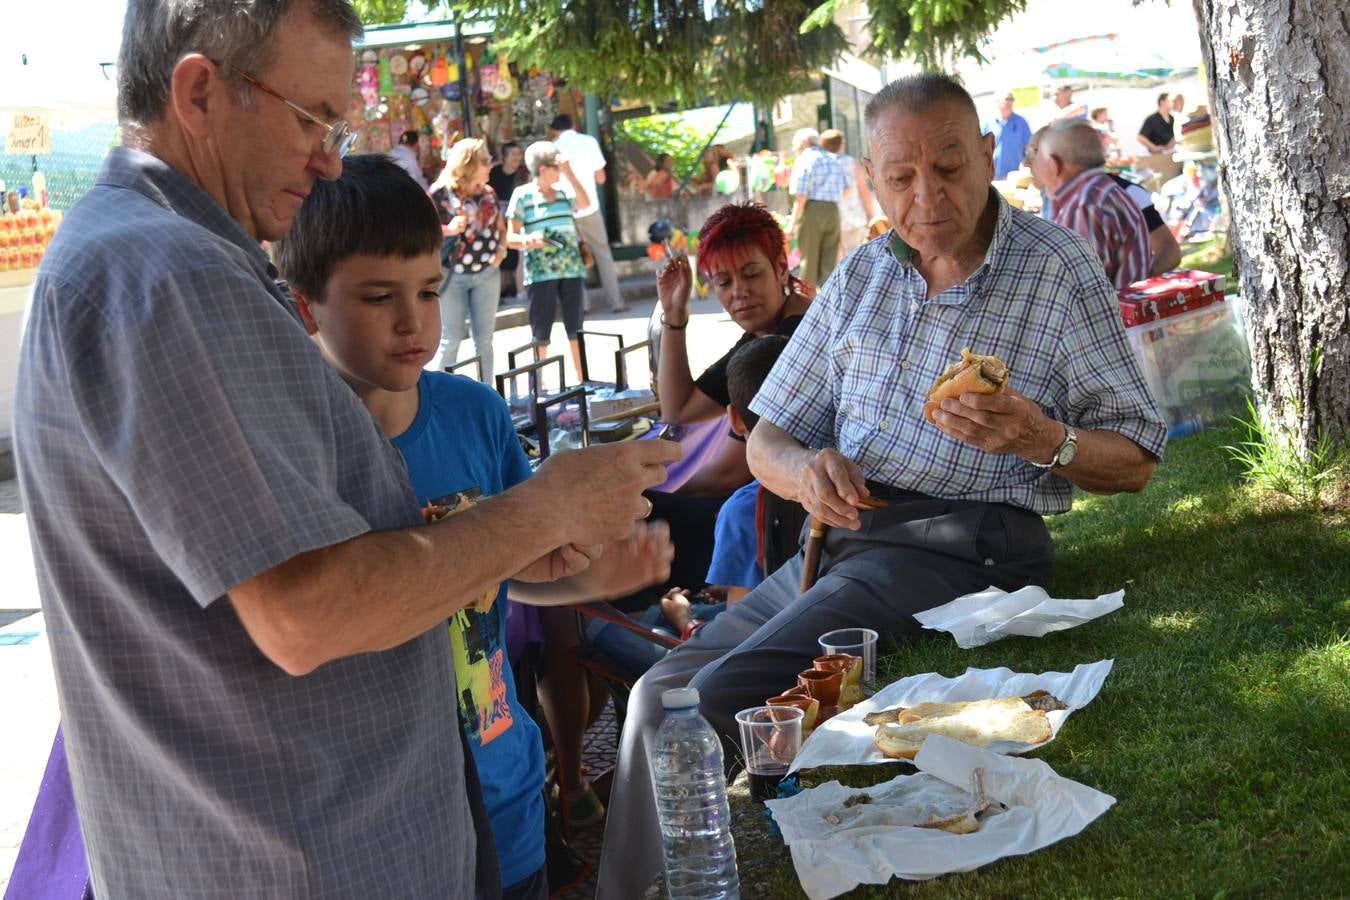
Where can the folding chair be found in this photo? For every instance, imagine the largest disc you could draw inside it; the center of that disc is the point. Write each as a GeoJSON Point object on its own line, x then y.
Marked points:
{"type": "Point", "coordinates": [475, 361]}
{"type": "Point", "coordinates": [582, 337]}
{"type": "Point", "coordinates": [516, 353]}
{"type": "Point", "coordinates": [622, 352]}
{"type": "Point", "coordinates": [521, 402]}
{"type": "Point", "coordinates": [552, 409]}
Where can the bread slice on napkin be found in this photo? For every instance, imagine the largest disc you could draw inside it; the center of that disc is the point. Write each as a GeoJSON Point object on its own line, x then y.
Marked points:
{"type": "Point", "coordinates": [976, 722]}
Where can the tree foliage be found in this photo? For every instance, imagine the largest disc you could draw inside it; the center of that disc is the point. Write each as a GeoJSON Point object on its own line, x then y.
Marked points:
{"type": "Point", "coordinates": [664, 50]}
{"type": "Point", "coordinates": [666, 134]}
{"type": "Point", "coordinates": [688, 51]}
{"type": "Point", "coordinates": [654, 51]}
{"type": "Point", "coordinates": [384, 12]}
{"type": "Point", "coordinates": [930, 32]}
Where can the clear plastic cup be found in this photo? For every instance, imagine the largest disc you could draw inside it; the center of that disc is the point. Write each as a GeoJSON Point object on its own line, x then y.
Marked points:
{"type": "Point", "coordinates": [770, 738]}
{"type": "Point", "coordinates": [859, 642]}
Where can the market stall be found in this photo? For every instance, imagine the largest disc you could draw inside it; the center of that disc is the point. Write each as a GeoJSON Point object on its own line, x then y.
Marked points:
{"type": "Point", "coordinates": [449, 80]}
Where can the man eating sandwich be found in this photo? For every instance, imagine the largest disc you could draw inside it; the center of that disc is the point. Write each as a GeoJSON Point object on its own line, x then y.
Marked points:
{"type": "Point", "coordinates": [842, 419]}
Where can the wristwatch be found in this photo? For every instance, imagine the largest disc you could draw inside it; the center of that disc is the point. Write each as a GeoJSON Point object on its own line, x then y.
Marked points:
{"type": "Point", "coordinates": [1064, 455]}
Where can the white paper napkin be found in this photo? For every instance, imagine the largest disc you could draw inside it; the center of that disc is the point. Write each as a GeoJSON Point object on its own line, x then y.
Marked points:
{"type": "Point", "coordinates": [847, 740]}
{"type": "Point", "coordinates": [982, 618]}
{"type": "Point", "coordinates": [1043, 808]}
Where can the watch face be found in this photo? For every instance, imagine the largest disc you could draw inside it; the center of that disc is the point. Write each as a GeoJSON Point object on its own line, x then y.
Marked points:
{"type": "Point", "coordinates": [1066, 453]}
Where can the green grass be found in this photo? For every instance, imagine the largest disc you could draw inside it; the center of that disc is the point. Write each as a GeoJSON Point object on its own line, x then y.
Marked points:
{"type": "Point", "coordinates": [1213, 255]}
{"type": "Point", "coordinates": [1222, 730]}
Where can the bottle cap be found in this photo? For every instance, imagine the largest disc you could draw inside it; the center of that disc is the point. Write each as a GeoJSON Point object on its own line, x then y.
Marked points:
{"type": "Point", "coordinates": [679, 698]}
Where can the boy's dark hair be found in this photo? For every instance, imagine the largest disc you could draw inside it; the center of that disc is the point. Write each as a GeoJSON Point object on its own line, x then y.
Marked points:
{"type": "Point", "coordinates": [409, 137]}
{"type": "Point", "coordinates": [561, 122]}
{"type": "Point", "coordinates": [746, 371]}
{"type": "Point", "coordinates": [374, 208]}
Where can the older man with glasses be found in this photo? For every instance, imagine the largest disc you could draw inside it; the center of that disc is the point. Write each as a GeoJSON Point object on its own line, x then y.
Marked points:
{"type": "Point", "coordinates": [1011, 135]}
{"type": "Point", "coordinates": [246, 610]}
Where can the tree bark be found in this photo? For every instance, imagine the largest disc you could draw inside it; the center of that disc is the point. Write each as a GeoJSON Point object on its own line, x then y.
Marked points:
{"type": "Point", "coordinates": [1279, 81]}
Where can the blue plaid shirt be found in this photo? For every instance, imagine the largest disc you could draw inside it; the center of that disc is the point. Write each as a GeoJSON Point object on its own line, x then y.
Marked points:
{"type": "Point", "coordinates": [856, 371]}
{"type": "Point", "coordinates": [818, 175]}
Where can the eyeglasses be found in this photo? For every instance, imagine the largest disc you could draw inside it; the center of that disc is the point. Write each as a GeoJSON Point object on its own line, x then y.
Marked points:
{"type": "Point", "coordinates": [339, 137]}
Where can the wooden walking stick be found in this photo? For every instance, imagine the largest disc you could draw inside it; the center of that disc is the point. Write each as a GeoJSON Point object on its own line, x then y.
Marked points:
{"type": "Point", "coordinates": [815, 541]}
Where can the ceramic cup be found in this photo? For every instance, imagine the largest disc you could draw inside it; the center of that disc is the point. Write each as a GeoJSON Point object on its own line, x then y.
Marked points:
{"type": "Point", "coordinates": [824, 686]}
{"type": "Point", "coordinates": [809, 706]}
{"type": "Point", "coordinates": [850, 667]}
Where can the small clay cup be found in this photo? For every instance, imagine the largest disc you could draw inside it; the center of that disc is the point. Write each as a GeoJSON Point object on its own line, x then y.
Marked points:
{"type": "Point", "coordinates": [824, 686]}
{"type": "Point", "coordinates": [809, 706]}
{"type": "Point", "coordinates": [846, 663]}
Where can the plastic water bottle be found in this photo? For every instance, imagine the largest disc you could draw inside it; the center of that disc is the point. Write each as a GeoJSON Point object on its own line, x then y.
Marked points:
{"type": "Point", "coordinates": [691, 802]}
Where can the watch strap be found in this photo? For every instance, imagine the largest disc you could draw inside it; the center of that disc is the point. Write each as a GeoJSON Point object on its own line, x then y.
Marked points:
{"type": "Point", "coordinates": [1070, 437]}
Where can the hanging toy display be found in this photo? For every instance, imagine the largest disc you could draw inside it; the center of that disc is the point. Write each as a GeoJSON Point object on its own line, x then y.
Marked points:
{"type": "Point", "coordinates": [760, 172]}
{"type": "Point", "coordinates": [728, 181]}
{"type": "Point", "coordinates": [487, 75]}
{"type": "Point", "coordinates": [418, 115]}
{"type": "Point", "coordinates": [417, 68]}
{"type": "Point", "coordinates": [440, 72]}
{"type": "Point", "coordinates": [398, 73]}
{"type": "Point", "coordinates": [505, 88]}
{"type": "Point", "coordinates": [368, 79]}
{"type": "Point", "coordinates": [446, 127]}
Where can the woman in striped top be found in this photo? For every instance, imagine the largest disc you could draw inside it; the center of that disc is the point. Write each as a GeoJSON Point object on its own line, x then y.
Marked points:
{"type": "Point", "coordinates": [539, 222]}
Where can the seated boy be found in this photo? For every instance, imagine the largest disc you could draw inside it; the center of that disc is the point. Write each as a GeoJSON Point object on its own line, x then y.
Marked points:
{"type": "Point", "coordinates": [735, 570]}
{"type": "Point", "coordinates": [363, 262]}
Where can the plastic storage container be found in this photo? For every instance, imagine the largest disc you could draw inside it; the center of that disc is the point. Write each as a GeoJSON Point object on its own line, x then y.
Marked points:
{"type": "Point", "coordinates": [1197, 364]}
{"type": "Point", "coordinates": [698, 853]}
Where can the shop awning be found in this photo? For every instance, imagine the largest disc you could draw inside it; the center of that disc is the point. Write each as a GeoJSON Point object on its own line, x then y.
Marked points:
{"type": "Point", "coordinates": [422, 33]}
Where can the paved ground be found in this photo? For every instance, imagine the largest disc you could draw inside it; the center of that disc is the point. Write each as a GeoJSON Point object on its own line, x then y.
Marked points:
{"type": "Point", "coordinates": [30, 708]}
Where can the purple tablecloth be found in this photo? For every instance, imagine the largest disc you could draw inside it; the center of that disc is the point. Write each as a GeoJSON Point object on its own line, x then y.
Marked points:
{"type": "Point", "coordinates": [52, 864]}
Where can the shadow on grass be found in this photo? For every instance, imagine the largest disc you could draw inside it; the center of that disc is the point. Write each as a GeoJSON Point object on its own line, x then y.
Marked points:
{"type": "Point", "coordinates": [1220, 728]}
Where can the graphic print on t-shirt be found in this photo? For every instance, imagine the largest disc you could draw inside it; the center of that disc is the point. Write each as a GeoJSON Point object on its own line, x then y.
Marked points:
{"type": "Point", "coordinates": [476, 644]}
{"type": "Point", "coordinates": [479, 671]}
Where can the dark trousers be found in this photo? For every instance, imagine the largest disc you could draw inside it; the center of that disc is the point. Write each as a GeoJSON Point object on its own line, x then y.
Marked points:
{"type": "Point", "coordinates": [915, 554]}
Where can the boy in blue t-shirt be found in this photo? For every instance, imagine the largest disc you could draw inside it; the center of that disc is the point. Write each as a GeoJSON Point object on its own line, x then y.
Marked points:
{"type": "Point", "coordinates": [735, 568]}
{"type": "Point", "coordinates": [363, 262]}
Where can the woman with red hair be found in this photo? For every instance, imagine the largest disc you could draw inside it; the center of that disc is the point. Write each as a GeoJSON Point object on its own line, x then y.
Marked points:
{"type": "Point", "coordinates": [742, 254]}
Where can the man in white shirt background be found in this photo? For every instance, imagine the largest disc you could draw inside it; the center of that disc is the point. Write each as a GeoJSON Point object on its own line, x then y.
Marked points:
{"type": "Point", "coordinates": [588, 163]}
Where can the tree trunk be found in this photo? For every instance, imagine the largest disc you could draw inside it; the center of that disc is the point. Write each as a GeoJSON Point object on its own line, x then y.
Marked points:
{"type": "Point", "coordinates": [1279, 79]}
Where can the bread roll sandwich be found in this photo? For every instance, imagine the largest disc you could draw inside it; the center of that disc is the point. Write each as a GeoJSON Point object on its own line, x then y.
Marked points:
{"type": "Point", "coordinates": [974, 374]}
